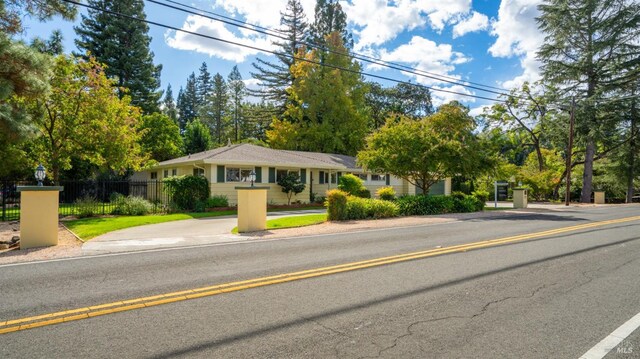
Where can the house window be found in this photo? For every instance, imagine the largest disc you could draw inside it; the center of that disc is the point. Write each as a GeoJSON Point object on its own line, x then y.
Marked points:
{"type": "Point", "coordinates": [333, 178]}
{"type": "Point", "coordinates": [235, 174]}
{"type": "Point", "coordinates": [377, 177]}
{"type": "Point", "coordinates": [326, 177]}
{"type": "Point", "coordinates": [283, 173]}
{"type": "Point", "coordinates": [174, 172]}
{"type": "Point", "coordinates": [362, 176]}
{"type": "Point", "coordinates": [198, 172]}
{"type": "Point", "coordinates": [165, 173]}
{"type": "Point", "coordinates": [154, 175]}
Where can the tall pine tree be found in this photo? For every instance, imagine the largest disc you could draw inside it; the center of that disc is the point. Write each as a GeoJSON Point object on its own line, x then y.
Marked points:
{"type": "Point", "coordinates": [169, 105]}
{"type": "Point", "coordinates": [329, 18]}
{"type": "Point", "coordinates": [276, 77]}
{"type": "Point", "coordinates": [590, 49]}
{"type": "Point", "coordinates": [204, 85]}
{"type": "Point", "coordinates": [187, 103]}
{"type": "Point", "coordinates": [236, 94]}
{"type": "Point", "coordinates": [123, 45]}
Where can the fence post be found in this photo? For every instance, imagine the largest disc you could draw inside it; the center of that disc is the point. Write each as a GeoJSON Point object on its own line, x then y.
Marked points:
{"type": "Point", "coordinates": [103, 195]}
{"type": "Point", "coordinates": [4, 201]}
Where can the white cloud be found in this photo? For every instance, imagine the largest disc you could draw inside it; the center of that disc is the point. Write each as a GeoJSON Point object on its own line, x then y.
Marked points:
{"type": "Point", "coordinates": [426, 55]}
{"type": "Point", "coordinates": [479, 110]}
{"type": "Point", "coordinates": [438, 59]}
{"type": "Point", "coordinates": [183, 41]}
{"type": "Point", "coordinates": [263, 12]}
{"type": "Point", "coordinates": [475, 22]}
{"type": "Point", "coordinates": [379, 21]}
{"type": "Point", "coordinates": [518, 35]}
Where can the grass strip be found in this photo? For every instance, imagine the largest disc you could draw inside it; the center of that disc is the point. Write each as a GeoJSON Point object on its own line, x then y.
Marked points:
{"type": "Point", "coordinates": [294, 221]}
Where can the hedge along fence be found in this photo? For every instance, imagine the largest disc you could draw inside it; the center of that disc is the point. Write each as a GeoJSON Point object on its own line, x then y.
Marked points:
{"type": "Point", "coordinates": [341, 206]}
{"type": "Point", "coordinates": [187, 191]}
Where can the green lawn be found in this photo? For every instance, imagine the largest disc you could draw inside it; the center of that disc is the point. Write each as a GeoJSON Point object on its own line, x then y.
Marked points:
{"type": "Point", "coordinates": [87, 228]}
{"type": "Point", "coordinates": [294, 221]}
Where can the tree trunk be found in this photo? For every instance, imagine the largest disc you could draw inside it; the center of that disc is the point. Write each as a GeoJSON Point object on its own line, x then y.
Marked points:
{"type": "Point", "coordinates": [587, 177]}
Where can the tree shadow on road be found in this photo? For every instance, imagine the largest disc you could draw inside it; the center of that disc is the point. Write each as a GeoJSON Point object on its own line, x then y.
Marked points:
{"type": "Point", "coordinates": [193, 349]}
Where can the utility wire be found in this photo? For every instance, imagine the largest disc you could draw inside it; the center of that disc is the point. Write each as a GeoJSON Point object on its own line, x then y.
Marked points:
{"type": "Point", "coordinates": [361, 57]}
{"type": "Point", "coordinates": [275, 52]}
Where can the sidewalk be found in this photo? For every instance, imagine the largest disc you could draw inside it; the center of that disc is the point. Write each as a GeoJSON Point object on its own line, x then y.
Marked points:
{"type": "Point", "coordinates": [188, 232]}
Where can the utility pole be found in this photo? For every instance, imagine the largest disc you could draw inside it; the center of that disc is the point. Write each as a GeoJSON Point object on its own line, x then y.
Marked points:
{"type": "Point", "coordinates": [567, 195]}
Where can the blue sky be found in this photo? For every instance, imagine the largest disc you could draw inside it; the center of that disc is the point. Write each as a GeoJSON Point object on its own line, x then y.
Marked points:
{"type": "Point", "coordinates": [491, 42]}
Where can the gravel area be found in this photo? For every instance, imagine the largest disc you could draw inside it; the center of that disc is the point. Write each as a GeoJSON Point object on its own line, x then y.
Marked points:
{"type": "Point", "coordinates": [68, 246]}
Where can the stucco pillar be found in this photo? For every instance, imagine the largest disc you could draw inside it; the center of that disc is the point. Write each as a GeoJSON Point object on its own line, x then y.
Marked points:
{"type": "Point", "coordinates": [252, 208]}
{"type": "Point", "coordinates": [520, 199]}
{"type": "Point", "coordinates": [447, 186]}
{"type": "Point", "coordinates": [38, 216]}
{"type": "Point", "coordinates": [598, 197]}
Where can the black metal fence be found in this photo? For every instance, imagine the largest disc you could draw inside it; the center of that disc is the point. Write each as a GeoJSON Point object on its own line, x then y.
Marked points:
{"type": "Point", "coordinates": [100, 195]}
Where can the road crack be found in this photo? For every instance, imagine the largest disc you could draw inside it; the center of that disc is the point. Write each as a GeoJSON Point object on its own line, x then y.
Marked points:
{"type": "Point", "coordinates": [409, 330]}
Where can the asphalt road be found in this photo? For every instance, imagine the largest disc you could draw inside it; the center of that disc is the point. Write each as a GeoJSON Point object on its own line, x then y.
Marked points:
{"type": "Point", "coordinates": [553, 296]}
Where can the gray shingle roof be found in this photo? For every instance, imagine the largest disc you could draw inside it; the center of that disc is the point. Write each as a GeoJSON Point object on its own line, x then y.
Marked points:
{"type": "Point", "coordinates": [251, 154]}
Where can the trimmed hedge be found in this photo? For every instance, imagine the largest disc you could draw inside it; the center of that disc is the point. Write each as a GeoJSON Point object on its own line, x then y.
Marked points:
{"type": "Point", "coordinates": [186, 191]}
{"type": "Point", "coordinates": [341, 207]}
{"type": "Point", "coordinates": [427, 205]}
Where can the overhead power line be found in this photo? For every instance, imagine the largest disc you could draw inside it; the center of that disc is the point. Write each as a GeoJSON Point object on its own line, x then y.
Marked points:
{"type": "Point", "coordinates": [387, 64]}
{"type": "Point", "coordinates": [277, 53]}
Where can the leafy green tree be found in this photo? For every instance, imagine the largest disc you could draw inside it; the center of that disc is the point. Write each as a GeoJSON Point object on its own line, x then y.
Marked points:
{"type": "Point", "coordinates": [275, 77]}
{"type": "Point", "coordinates": [13, 11]}
{"type": "Point", "coordinates": [429, 150]}
{"type": "Point", "coordinates": [122, 45]}
{"type": "Point", "coordinates": [291, 185]}
{"type": "Point", "coordinates": [169, 105]}
{"type": "Point", "coordinates": [236, 95]}
{"type": "Point", "coordinates": [196, 137]}
{"type": "Point", "coordinates": [590, 50]}
{"type": "Point", "coordinates": [187, 103]}
{"type": "Point", "coordinates": [525, 113]}
{"type": "Point", "coordinates": [329, 18]}
{"type": "Point", "coordinates": [327, 112]}
{"type": "Point", "coordinates": [160, 137]}
{"type": "Point", "coordinates": [84, 118]}
{"type": "Point", "coordinates": [403, 99]}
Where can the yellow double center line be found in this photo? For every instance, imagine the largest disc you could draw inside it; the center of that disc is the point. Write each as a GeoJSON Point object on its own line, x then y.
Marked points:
{"type": "Point", "coordinates": [137, 303]}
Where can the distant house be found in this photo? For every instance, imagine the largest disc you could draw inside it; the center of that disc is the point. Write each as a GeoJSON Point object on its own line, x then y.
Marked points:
{"type": "Point", "coordinates": [230, 166]}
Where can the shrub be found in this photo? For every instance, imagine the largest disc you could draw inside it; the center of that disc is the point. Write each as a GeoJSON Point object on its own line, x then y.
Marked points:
{"type": "Point", "coordinates": [336, 205]}
{"type": "Point", "coordinates": [386, 193]}
{"type": "Point", "coordinates": [130, 206]}
{"type": "Point", "coordinates": [481, 195]}
{"type": "Point", "coordinates": [382, 209]}
{"type": "Point", "coordinates": [424, 205]}
{"type": "Point", "coordinates": [186, 191]}
{"type": "Point", "coordinates": [363, 208]}
{"type": "Point", "coordinates": [353, 185]}
{"type": "Point", "coordinates": [364, 193]}
{"type": "Point", "coordinates": [217, 200]}
{"type": "Point", "coordinates": [87, 206]}
{"type": "Point", "coordinates": [458, 195]}
{"type": "Point", "coordinates": [356, 208]}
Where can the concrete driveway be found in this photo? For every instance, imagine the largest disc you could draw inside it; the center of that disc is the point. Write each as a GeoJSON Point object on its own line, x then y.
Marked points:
{"type": "Point", "coordinates": [190, 232]}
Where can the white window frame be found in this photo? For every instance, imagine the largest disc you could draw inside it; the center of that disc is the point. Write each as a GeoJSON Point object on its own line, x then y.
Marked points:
{"type": "Point", "coordinates": [198, 171]}
{"type": "Point", "coordinates": [382, 177]}
{"type": "Point", "coordinates": [242, 174]}
{"type": "Point", "coordinates": [288, 171]}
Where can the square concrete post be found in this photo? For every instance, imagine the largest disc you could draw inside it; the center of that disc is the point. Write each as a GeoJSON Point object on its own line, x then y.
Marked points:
{"type": "Point", "coordinates": [598, 197]}
{"type": "Point", "coordinates": [520, 199]}
{"type": "Point", "coordinates": [38, 216]}
{"type": "Point", "coordinates": [252, 208]}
